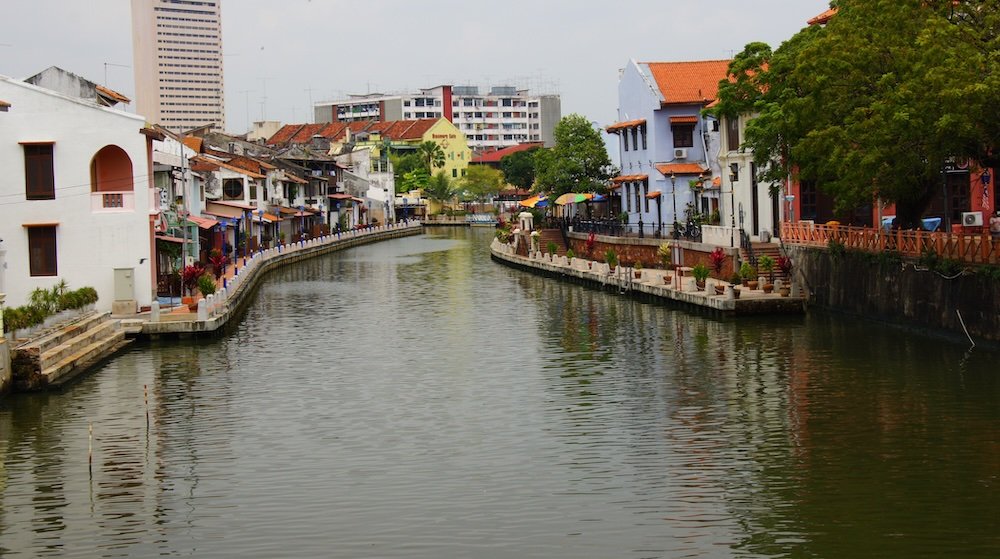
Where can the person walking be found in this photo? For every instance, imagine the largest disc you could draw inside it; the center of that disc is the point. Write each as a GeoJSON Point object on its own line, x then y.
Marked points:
{"type": "Point", "coordinates": [995, 225]}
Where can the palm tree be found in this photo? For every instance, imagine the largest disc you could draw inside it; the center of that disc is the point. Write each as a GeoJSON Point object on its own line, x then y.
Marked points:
{"type": "Point", "coordinates": [432, 154]}
{"type": "Point", "coordinates": [440, 189]}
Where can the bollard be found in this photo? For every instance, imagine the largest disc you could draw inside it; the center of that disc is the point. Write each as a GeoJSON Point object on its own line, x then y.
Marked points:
{"type": "Point", "coordinates": [210, 303]}
{"type": "Point", "coordinates": [730, 293]}
{"type": "Point", "coordinates": [202, 310]}
{"type": "Point", "coordinates": [154, 311]}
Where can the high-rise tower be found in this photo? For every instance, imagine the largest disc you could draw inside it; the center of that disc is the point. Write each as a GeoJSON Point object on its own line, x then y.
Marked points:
{"type": "Point", "coordinates": [177, 53]}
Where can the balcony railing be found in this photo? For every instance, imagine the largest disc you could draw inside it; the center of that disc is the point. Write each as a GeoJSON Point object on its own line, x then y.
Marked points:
{"type": "Point", "coordinates": [123, 201]}
{"type": "Point", "coordinates": [970, 248]}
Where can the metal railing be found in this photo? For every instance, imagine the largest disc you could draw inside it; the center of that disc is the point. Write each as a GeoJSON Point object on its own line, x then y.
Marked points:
{"type": "Point", "coordinates": [970, 248]}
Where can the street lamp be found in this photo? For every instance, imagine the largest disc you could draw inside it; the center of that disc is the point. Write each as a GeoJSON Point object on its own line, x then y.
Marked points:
{"type": "Point", "coordinates": [732, 206]}
{"type": "Point", "coordinates": [673, 197]}
{"type": "Point", "coordinates": [789, 198]}
{"type": "Point", "coordinates": [302, 224]}
{"type": "Point", "coordinates": [260, 230]}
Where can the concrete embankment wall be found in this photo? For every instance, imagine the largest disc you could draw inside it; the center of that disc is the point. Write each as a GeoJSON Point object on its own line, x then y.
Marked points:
{"type": "Point", "coordinates": [632, 249]}
{"type": "Point", "coordinates": [889, 290]}
{"type": "Point", "coordinates": [5, 368]}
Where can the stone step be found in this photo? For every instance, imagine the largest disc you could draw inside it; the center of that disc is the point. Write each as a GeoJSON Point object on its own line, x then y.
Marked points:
{"type": "Point", "coordinates": [104, 329]}
{"type": "Point", "coordinates": [63, 332]}
{"type": "Point", "coordinates": [83, 358]}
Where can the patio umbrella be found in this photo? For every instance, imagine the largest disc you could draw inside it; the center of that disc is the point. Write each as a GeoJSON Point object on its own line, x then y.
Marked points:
{"type": "Point", "coordinates": [573, 198]}
{"type": "Point", "coordinates": [538, 201]}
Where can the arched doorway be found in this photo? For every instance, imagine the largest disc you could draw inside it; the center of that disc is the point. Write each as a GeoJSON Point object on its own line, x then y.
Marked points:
{"type": "Point", "coordinates": [111, 176]}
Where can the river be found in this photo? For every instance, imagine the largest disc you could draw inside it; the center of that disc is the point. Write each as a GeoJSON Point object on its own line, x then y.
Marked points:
{"type": "Point", "coordinates": [414, 399]}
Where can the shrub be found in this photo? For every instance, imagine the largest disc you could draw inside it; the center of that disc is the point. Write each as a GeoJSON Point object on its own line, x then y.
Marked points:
{"type": "Point", "coordinates": [219, 263]}
{"type": "Point", "coordinates": [735, 279]}
{"type": "Point", "coordinates": [718, 258]}
{"type": "Point", "coordinates": [638, 265]}
{"type": "Point", "coordinates": [785, 264]}
{"type": "Point", "coordinates": [551, 246]}
{"type": "Point", "coordinates": [835, 248]}
{"type": "Point", "coordinates": [611, 258]}
{"type": "Point", "coordinates": [700, 272]}
{"type": "Point", "coordinates": [570, 254]}
{"type": "Point", "coordinates": [665, 253]}
{"type": "Point", "coordinates": [206, 284]}
{"type": "Point", "coordinates": [190, 275]}
{"type": "Point", "coordinates": [766, 264]}
{"type": "Point", "coordinates": [747, 271]}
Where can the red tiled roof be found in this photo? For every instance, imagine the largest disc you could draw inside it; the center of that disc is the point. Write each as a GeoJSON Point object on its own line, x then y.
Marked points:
{"type": "Point", "coordinates": [4, 103]}
{"type": "Point", "coordinates": [403, 129]}
{"type": "Point", "coordinates": [626, 124]}
{"type": "Point", "coordinates": [334, 130]}
{"type": "Point", "coordinates": [689, 82]}
{"type": "Point", "coordinates": [680, 168]}
{"type": "Point", "coordinates": [203, 222]}
{"type": "Point", "coordinates": [630, 178]}
{"type": "Point", "coordinates": [496, 155]}
{"type": "Point", "coordinates": [193, 142]}
{"type": "Point", "coordinates": [823, 18]}
{"type": "Point", "coordinates": [306, 133]}
{"type": "Point", "coordinates": [284, 134]}
{"type": "Point", "coordinates": [200, 166]}
{"type": "Point", "coordinates": [113, 94]}
{"type": "Point", "coordinates": [683, 120]}
{"type": "Point", "coordinates": [654, 194]}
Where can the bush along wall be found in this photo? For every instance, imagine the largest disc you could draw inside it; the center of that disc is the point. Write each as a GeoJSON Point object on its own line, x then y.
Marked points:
{"type": "Point", "coordinates": [928, 292]}
{"type": "Point", "coordinates": [45, 303]}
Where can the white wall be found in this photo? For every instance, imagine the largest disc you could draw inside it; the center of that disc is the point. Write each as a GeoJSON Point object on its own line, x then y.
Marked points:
{"type": "Point", "coordinates": [89, 245]}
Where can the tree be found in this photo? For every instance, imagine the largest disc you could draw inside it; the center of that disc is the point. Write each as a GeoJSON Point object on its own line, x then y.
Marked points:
{"type": "Point", "coordinates": [872, 105]}
{"type": "Point", "coordinates": [482, 182]}
{"type": "Point", "coordinates": [440, 188]}
{"type": "Point", "coordinates": [417, 179]}
{"type": "Point", "coordinates": [579, 161]}
{"type": "Point", "coordinates": [405, 163]}
{"type": "Point", "coordinates": [431, 154]}
{"type": "Point", "coordinates": [519, 168]}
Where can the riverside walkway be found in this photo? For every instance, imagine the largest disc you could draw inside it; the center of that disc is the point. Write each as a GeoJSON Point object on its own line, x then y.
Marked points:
{"type": "Point", "coordinates": [651, 284]}
{"type": "Point", "coordinates": [241, 277]}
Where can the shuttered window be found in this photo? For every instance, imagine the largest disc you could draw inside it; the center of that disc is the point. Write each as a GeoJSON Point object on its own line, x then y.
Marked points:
{"type": "Point", "coordinates": [39, 177]}
{"type": "Point", "coordinates": [42, 251]}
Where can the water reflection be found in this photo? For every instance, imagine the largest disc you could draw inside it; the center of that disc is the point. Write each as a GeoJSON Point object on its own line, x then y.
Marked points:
{"type": "Point", "coordinates": [414, 398]}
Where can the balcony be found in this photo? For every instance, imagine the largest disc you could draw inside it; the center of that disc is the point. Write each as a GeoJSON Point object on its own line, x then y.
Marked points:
{"type": "Point", "coordinates": [122, 201]}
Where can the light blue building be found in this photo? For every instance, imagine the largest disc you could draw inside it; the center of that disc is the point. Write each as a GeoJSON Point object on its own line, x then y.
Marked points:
{"type": "Point", "coordinates": [667, 145]}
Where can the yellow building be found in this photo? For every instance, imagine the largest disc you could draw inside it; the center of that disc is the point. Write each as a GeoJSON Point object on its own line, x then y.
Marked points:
{"type": "Point", "coordinates": [408, 134]}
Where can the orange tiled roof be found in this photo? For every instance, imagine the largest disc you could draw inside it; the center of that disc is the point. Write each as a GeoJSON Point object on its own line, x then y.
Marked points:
{"type": "Point", "coordinates": [200, 166]}
{"type": "Point", "coordinates": [630, 178]}
{"type": "Point", "coordinates": [4, 103]}
{"type": "Point", "coordinates": [689, 82]}
{"type": "Point", "coordinates": [284, 134]}
{"type": "Point", "coordinates": [496, 155]}
{"type": "Point", "coordinates": [823, 18]}
{"type": "Point", "coordinates": [306, 133]}
{"type": "Point", "coordinates": [683, 120]}
{"type": "Point", "coordinates": [654, 194]}
{"type": "Point", "coordinates": [626, 124]}
{"type": "Point", "coordinates": [680, 168]}
{"type": "Point", "coordinates": [193, 142]}
{"type": "Point", "coordinates": [113, 94]}
{"type": "Point", "coordinates": [403, 129]}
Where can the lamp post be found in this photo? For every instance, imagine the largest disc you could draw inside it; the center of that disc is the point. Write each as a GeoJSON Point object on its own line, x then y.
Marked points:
{"type": "Point", "coordinates": [260, 231]}
{"type": "Point", "coordinates": [673, 198]}
{"type": "Point", "coordinates": [789, 198]}
{"type": "Point", "coordinates": [732, 209]}
{"type": "Point", "coordinates": [302, 224]}
{"type": "Point", "coordinates": [222, 228]}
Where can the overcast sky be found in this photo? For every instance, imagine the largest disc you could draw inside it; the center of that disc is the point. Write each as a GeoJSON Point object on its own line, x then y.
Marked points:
{"type": "Point", "coordinates": [276, 51]}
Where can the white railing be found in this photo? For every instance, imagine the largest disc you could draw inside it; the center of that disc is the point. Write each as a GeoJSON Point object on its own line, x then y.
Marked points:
{"type": "Point", "coordinates": [117, 201]}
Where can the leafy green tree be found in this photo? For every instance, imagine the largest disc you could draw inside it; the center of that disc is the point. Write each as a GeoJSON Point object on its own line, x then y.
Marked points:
{"type": "Point", "coordinates": [579, 161]}
{"type": "Point", "coordinates": [405, 163]}
{"type": "Point", "coordinates": [873, 104]}
{"type": "Point", "coordinates": [519, 168]}
{"type": "Point", "coordinates": [417, 179]}
{"type": "Point", "coordinates": [481, 182]}
{"type": "Point", "coordinates": [431, 154]}
{"type": "Point", "coordinates": [440, 188]}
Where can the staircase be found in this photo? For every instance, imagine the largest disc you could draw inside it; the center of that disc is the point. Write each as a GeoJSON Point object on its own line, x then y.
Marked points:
{"type": "Point", "coordinates": [65, 351]}
{"type": "Point", "coordinates": [770, 249]}
{"type": "Point", "coordinates": [547, 236]}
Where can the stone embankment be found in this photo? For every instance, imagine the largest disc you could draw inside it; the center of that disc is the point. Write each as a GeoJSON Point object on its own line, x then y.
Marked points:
{"type": "Point", "coordinates": [216, 310]}
{"type": "Point", "coordinates": [652, 284]}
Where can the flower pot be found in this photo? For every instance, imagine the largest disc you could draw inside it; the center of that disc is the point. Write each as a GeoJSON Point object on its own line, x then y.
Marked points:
{"type": "Point", "coordinates": [668, 279]}
{"type": "Point", "coordinates": [700, 284]}
{"type": "Point", "coordinates": [752, 284]}
{"type": "Point", "coordinates": [785, 291]}
{"type": "Point", "coordinates": [638, 274]}
{"type": "Point", "coordinates": [720, 289]}
{"type": "Point", "coordinates": [745, 282]}
{"type": "Point", "coordinates": [736, 292]}
{"type": "Point", "coordinates": [768, 287]}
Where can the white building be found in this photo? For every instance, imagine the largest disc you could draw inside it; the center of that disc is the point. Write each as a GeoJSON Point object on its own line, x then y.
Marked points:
{"type": "Point", "coordinates": [754, 207]}
{"type": "Point", "coordinates": [177, 57]}
{"type": "Point", "coordinates": [75, 202]}
{"type": "Point", "coordinates": [502, 117]}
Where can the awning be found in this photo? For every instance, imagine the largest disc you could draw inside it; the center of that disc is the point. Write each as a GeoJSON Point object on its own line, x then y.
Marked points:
{"type": "Point", "coordinates": [630, 178]}
{"type": "Point", "coordinates": [232, 204]}
{"type": "Point", "coordinates": [267, 217]}
{"type": "Point", "coordinates": [680, 168]}
{"type": "Point", "coordinates": [684, 119]}
{"type": "Point", "coordinates": [292, 212]}
{"type": "Point", "coordinates": [170, 239]}
{"type": "Point", "coordinates": [573, 198]}
{"type": "Point", "coordinates": [653, 195]}
{"type": "Point", "coordinates": [203, 222]}
{"type": "Point", "coordinates": [538, 201]}
{"type": "Point", "coordinates": [616, 127]}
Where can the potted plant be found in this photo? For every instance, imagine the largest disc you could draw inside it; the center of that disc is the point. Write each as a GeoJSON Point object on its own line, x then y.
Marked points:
{"type": "Point", "coordinates": [665, 252]}
{"type": "Point", "coordinates": [767, 265]}
{"type": "Point", "coordinates": [700, 273]}
{"type": "Point", "coordinates": [748, 274]}
{"type": "Point", "coordinates": [736, 280]}
{"type": "Point", "coordinates": [552, 248]}
{"type": "Point", "coordinates": [785, 265]}
{"type": "Point", "coordinates": [637, 269]}
{"type": "Point", "coordinates": [570, 255]}
{"type": "Point", "coordinates": [611, 259]}
{"type": "Point", "coordinates": [218, 262]}
{"type": "Point", "coordinates": [718, 259]}
{"type": "Point", "coordinates": [189, 280]}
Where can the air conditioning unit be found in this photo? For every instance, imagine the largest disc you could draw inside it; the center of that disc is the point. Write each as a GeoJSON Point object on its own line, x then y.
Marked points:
{"type": "Point", "coordinates": [972, 219]}
{"type": "Point", "coordinates": [680, 153]}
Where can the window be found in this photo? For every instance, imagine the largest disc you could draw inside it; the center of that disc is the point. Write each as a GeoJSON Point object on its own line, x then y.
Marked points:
{"type": "Point", "coordinates": [232, 189]}
{"type": "Point", "coordinates": [645, 193]}
{"type": "Point", "coordinates": [406, 103]}
{"type": "Point", "coordinates": [625, 139]}
{"type": "Point", "coordinates": [42, 250]}
{"type": "Point", "coordinates": [635, 138]}
{"type": "Point", "coordinates": [642, 132]}
{"type": "Point", "coordinates": [683, 135]}
{"type": "Point", "coordinates": [638, 195]}
{"type": "Point", "coordinates": [454, 173]}
{"type": "Point", "coordinates": [628, 199]}
{"type": "Point", "coordinates": [463, 172]}
{"type": "Point", "coordinates": [732, 134]}
{"type": "Point", "coordinates": [39, 176]}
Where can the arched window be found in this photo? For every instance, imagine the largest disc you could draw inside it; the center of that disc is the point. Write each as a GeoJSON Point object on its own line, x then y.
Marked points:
{"type": "Point", "coordinates": [111, 171]}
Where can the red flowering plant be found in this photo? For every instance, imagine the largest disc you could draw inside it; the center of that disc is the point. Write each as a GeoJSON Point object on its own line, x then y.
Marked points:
{"type": "Point", "coordinates": [591, 239]}
{"type": "Point", "coordinates": [718, 259]}
{"type": "Point", "coordinates": [190, 275]}
{"type": "Point", "coordinates": [785, 265]}
{"type": "Point", "coordinates": [219, 262]}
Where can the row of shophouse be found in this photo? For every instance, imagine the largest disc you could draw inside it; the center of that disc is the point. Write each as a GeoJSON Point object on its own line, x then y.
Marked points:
{"type": "Point", "coordinates": [96, 196]}
{"type": "Point", "coordinates": [677, 161]}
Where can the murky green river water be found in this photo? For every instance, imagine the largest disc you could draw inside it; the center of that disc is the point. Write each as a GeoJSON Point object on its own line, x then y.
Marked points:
{"type": "Point", "coordinates": [415, 399]}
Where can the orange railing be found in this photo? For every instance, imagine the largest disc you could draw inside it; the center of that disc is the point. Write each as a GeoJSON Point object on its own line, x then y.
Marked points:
{"type": "Point", "coordinates": [978, 248]}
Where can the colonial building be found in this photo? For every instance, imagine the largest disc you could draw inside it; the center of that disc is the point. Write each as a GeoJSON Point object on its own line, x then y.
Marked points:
{"type": "Point", "coordinates": [666, 143]}
{"type": "Point", "coordinates": [76, 202]}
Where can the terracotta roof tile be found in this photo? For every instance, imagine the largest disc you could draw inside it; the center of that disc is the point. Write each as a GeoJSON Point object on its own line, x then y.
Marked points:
{"type": "Point", "coordinates": [284, 134]}
{"type": "Point", "coordinates": [614, 128]}
{"type": "Point", "coordinates": [306, 133]}
{"type": "Point", "coordinates": [691, 119]}
{"type": "Point", "coordinates": [496, 155]}
{"type": "Point", "coordinates": [689, 82]}
{"type": "Point", "coordinates": [630, 178]}
{"type": "Point", "coordinates": [823, 18]}
{"type": "Point", "coordinates": [112, 94]}
{"type": "Point", "coordinates": [680, 168]}
{"type": "Point", "coordinates": [403, 129]}
{"type": "Point", "coordinates": [4, 103]}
